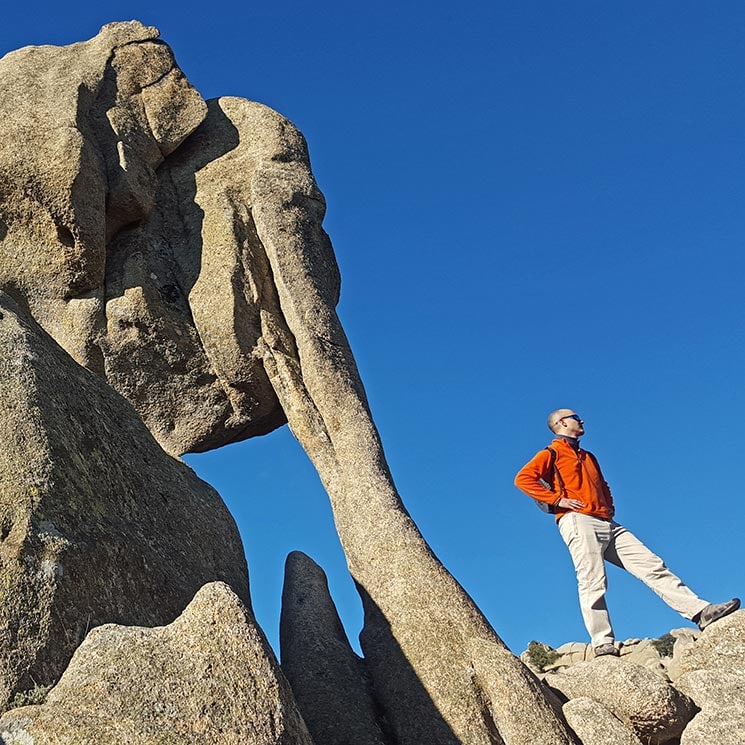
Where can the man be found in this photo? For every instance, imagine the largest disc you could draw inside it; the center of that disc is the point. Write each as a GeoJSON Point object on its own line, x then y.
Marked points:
{"type": "Point", "coordinates": [570, 481]}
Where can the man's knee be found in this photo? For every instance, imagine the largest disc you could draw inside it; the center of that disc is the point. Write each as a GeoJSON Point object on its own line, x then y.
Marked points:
{"type": "Point", "coordinates": [592, 585]}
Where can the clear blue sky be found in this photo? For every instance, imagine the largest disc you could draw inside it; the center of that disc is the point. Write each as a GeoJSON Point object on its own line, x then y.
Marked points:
{"type": "Point", "coordinates": [533, 205]}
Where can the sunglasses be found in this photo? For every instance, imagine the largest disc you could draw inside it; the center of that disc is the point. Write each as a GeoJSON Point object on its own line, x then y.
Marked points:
{"type": "Point", "coordinates": [576, 417]}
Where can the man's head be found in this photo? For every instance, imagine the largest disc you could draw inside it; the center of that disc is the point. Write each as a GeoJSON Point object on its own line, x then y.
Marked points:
{"type": "Point", "coordinates": [566, 422]}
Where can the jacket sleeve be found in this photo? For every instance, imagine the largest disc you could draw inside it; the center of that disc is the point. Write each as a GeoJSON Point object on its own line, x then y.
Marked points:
{"type": "Point", "coordinates": [535, 477]}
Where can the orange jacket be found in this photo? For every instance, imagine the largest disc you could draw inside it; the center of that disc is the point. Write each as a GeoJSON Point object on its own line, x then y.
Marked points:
{"type": "Point", "coordinates": [579, 477]}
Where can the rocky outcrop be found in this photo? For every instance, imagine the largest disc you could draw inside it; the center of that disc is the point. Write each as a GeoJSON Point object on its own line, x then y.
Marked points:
{"type": "Point", "coordinates": [595, 725]}
{"type": "Point", "coordinates": [657, 655]}
{"type": "Point", "coordinates": [175, 248]}
{"type": "Point", "coordinates": [328, 679]}
{"type": "Point", "coordinates": [208, 677]}
{"type": "Point", "coordinates": [205, 293]}
{"type": "Point", "coordinates": [707, 667]}
{"type": "Point", "coordinates": [97, 523]}
{"type": "Point", "coordinates": [127, 304]}
{"type": "Point", "coordinates": [655, 711]}
{"type": "Point", "coordinates": [713, 675]}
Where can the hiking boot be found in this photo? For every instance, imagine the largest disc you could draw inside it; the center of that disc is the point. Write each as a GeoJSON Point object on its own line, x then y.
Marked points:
{"type": "Point", "coordinates": [715, 611]}
{"type": "Point", "coordinates": [604, 650]}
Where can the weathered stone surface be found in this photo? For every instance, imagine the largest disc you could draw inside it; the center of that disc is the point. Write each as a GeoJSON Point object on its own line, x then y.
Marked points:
{"type": "Point", "coordinates": [420, 626]}
{"type": "Point", "coordinates": [721, 697]}
{"type": "Point", "coordinates": [595, 725]}
{"type": "Point", "coordinates": [684, 638]}
{"type": "Point", "coordinates": [712, 673]}
{"type": "Point", "coordinates": [185, 293]}
{"type": "Point", "coordinates": [643, 652]}
{"type": "Point", "coordinates": [208, 677]}
{"type": "Point", "coordinates": [574, 652]}
{"type": "Point", "coordinates": [328, 679]}
{"type": "Point", "coordinates": [637, 651]}
{"type": "Point", "coordinates": [93, 239]}
{"type": "Point", "coordinates": [97, 523]}
{"type": "Point", "coordinates": [643, 700]}
{"type": "Point", "coordinates": [721, 646]}
{"type": "Point", "coordinates": [119, 104]}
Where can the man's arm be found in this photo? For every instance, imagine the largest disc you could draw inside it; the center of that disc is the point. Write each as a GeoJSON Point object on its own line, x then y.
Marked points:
{"type": "Point", "coordinates": [534, 479]}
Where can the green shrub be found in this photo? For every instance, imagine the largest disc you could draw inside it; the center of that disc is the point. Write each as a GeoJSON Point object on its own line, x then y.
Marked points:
{"type": "Point", "coordinates": [664, 645]}
{"type": "Point", "coordinates": [541, 656]}
{"type": "Point", "coordinates": [35, 695]}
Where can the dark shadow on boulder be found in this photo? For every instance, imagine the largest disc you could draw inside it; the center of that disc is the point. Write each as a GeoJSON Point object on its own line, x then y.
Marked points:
{"type": "Point", "coordinates": [409, 712]}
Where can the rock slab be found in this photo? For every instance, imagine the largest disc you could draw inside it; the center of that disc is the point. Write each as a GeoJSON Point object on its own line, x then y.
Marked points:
{"type": "Point", "coordinates": [208, 677]}
{"type": "Point", "coordinates": [713, 675]}
{"type": "Point", "coordinates": [595, 725]}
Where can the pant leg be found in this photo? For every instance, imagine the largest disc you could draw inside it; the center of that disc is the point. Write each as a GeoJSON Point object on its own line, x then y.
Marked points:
{"type": "Point", "coordinates": [629, 553]}
{"type": "Point", "coordinates": [587, 538]}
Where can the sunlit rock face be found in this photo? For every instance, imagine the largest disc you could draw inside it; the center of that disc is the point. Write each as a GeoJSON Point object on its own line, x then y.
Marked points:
{"type": "Point", "coordinates": [97, 523]}
{"type": "Point", "coordinates": [208, 677]}
{"type": "Point", "coordinates": [139, 278]}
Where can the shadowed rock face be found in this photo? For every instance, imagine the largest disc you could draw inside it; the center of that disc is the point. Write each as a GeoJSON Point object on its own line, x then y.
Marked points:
{"type": "Point", "coordinates": [208, 677]}
{"type": "Point", "coordinates": [206, 296]}
{"type": "Point", "coordinates": [97, 523]}
{"type": "Point", "coordinates": [328, 679]}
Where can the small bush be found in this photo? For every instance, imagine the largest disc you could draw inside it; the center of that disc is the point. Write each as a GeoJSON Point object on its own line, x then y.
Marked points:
{"type": "Point", "coordinates": [35, 695]}
{"type": "Point", "coordinates": [664, 645]}
{"type": "Point", "coordinates": [541, 655]}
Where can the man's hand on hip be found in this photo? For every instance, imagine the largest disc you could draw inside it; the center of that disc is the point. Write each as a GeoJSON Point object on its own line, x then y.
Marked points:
{"type": "Point", "coordinates": [569, 504]}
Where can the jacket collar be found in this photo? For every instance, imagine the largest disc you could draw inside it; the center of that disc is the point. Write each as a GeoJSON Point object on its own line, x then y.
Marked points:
{"type": "Point", "coordinates": [573, 442]}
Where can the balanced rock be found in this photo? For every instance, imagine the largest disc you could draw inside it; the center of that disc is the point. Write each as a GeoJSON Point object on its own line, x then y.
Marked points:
{"type": "Point", "coordinates": [97, 523]}
{"type": "Point", "coordinates": [328, 679]}
{"type": "Point", "coordinates": [642, 699]}
{"type": "Point", "coordinates": [595, 725]}
{"type": "Point", "coordinates": [208, 677]}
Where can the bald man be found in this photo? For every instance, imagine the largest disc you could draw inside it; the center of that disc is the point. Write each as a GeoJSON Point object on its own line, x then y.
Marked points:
{"type": "Point", "coordinates": [569, 482]}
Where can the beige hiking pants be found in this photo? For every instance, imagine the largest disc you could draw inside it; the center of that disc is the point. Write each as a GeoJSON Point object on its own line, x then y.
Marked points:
{"type": "Point", "coordinates": [592, 542]}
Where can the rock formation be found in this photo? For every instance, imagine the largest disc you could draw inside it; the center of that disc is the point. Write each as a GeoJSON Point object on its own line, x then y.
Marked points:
{"type": "Point", "coordinates": [71, 199]}
{"type": "Point", "coordinates": [173, 248]}
{"type": "Point", "coordinates": [328, 679]}
{"type": "Point", "coordinates": [208, 677]}
{"type": "Point", "coordinates": [697, 691]}
{"type": "Point", "coordinates": [655, 711]}
{"type": "Point", "coordinates": [97, 523]}
{"type": "Point", "coordinates": [713, 675]}
{"type": "Point", "coordinates": [596, 725]}
{"type": "Point", "coordinates": [187, 264]}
